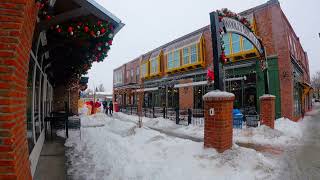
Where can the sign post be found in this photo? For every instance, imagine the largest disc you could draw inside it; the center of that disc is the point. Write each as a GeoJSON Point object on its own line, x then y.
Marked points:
{"type": "Point", "coordinates": [216, 48]}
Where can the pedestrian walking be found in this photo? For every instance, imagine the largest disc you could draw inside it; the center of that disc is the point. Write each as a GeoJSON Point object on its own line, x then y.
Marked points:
{"type": "Point", "coordinates": [110, 108]}
{"type": "Point", "coordinates": [105, 107]}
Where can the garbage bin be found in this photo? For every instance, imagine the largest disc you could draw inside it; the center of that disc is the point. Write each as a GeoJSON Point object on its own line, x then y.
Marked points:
{"type": "Point", "coordinates": [237, 119]}
{"type": "Point", "coordinates": [115, 107]}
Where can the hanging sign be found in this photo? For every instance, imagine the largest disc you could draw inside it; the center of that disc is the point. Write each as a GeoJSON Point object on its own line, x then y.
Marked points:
{"type": "Point", "coordinates": [232, 25]}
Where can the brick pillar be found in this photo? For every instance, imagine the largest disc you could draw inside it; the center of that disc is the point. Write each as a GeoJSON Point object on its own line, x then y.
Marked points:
{"type": "Point", "coordinates": [218, 126]}
{"type": "Point", "coordinates": [17, 22]}
{"type": "Point", "coordinates": [267, 110]}
{"type": "Point", "coordinates": [186, 95]}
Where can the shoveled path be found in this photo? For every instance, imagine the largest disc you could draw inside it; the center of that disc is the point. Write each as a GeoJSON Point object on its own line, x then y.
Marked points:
{"type": "Point", "coordinates": [303, 161]}
{"type": "Point", "coordinates": [52, 160]}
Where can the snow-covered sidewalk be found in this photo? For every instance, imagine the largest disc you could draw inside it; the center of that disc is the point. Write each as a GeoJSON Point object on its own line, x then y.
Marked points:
{"type": "Point", "coordinates": [285, 132]}
{"type": "Point", "coordinates": [114, 148]}
{"type": "Point", "coordinates": [120, 150]}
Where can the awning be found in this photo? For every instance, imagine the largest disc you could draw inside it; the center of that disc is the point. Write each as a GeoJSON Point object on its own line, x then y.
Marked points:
{"type": "Point", "coordinates": [183, 43]}
{"type": "Point", "coordinates": [306, 87]}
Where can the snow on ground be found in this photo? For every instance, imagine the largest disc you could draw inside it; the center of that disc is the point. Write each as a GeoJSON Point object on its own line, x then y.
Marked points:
{"type": "Point", "coordinates": [92, 121]}
{"type": "Point", "coordinates": [114, 148]}
{"type": "Point", "coordinates": [120, 150]}
{"type": "Point", "coordinates": [285, 132]}
{"type": "Point", "coordinates": [165, 125]}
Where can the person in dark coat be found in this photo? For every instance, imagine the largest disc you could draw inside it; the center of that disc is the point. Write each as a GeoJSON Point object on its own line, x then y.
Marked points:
{"type": "Point", "coordinates": [110, 108]}
{"type": "Point", "coordinates": [105, 106]}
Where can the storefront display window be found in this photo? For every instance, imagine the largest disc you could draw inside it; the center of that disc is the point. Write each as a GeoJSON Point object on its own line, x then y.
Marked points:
{"type": "Point", "coordinates": [247, 44]}
{"type": "Point", "coordinates": [170, 61]}
{"type": "Point", "coordinates": [193, 53]}
{"type": "Point", "coordinates": [30, 134]}
{"type": "Point", "coordinates": [235, 43]}
{"type": "Point", "coordinates": [226, 40]}
{"type": "Point", "coordinates": [154, 65]}
{"type": "Point", "coordinates": [186, 55]}
{"type": "Point", "coordinates": [176, 58]}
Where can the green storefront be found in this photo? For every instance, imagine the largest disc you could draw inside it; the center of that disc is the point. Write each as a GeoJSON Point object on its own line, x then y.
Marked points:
{"type": "Point", "coordinates": [246, 80]}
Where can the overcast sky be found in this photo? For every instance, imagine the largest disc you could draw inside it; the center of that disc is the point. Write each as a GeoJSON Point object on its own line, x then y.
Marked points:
{"type": "Point", "coordinates": [152, 23]}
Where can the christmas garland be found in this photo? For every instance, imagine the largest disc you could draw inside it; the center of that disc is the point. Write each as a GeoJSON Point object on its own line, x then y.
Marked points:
{"type": "Point", "coordinates": [84, 29]}
{"type": "Point", "coordinates": [227, 13]}
{"type": "Point", "coordinates": [43, 6]}
{"type": "Point", "coordinates": [99, 34]}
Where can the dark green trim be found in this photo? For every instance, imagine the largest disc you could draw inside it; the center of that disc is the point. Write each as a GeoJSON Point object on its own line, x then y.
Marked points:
{"type": "Point", "coordinates": [274, 83]}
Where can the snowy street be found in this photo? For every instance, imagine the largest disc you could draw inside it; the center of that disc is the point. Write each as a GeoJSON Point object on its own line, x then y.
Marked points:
{"type": "Point", "coordinates": [115, 148]}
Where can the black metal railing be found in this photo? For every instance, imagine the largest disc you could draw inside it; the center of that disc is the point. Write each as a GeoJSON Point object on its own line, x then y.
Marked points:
{"type": "Point", "coordinates": [179, 116]}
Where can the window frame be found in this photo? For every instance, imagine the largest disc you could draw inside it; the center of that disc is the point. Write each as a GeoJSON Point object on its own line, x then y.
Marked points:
{"type": "Point", "coordinates": [170, 60]}
{"type": "Point", "coordinates": [154, 65]}
{"type": "Point", "coordinates": [186, 55]}
{"type": "Point", "coordinates": [196, 53]}
{"type": "Point", "coordinates": [176, 60]}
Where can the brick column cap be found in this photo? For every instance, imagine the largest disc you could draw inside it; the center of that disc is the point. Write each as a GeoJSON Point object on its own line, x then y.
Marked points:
{"type": "Point", "coordinates": [267, 96]}
{"type": "Point", "coordinates": [218, 95]}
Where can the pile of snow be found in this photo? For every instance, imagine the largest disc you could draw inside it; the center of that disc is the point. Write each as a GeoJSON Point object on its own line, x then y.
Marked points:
{"type": "Point", "coordinates": [290, 128]}
{"type": "Point", "coordinates": [105, 153]}
{"type": "Point", "coordinates": [165, 125]}
{"type": "Point", "coordinates": [93, 120]}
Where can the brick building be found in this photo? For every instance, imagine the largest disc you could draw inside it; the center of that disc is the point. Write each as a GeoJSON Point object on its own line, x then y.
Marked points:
{"type": "Point", "coordinates": [41, 61]}
{"type": "Point", "coordinates": [174, 74]}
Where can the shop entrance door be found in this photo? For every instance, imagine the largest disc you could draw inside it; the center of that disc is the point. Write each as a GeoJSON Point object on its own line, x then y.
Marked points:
{"type": "Point", "coordinates": [245, 91]}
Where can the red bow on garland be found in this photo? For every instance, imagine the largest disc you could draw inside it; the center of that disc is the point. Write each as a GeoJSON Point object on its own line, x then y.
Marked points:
{"type": "Point", "coordinates": [210, 75]}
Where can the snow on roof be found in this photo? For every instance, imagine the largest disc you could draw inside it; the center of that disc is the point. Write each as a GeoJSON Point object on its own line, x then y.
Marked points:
{"type": "Point", "coordinates": [216, 94]}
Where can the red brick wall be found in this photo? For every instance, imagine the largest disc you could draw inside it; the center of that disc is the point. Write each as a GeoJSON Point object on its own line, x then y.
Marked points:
{"type": "Point", "coordinates": [271, 27]}
{"type": "Point", "coordinates": [17, 22]}
{"type": "Point", "coordinates": [275, 30]}
{"type": "Point", "coordinates": [186, 95]}
{"type": "Point", "coordinates": [218, 128]}
{"type": "Point", "coordinates": [61, 95]}
{"type": "Point", "coordinates": [268, 113]}
{"type": "Point", "coordinates": [208, 54]}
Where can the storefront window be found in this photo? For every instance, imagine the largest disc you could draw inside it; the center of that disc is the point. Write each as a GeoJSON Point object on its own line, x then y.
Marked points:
{"type": "Point", "coordinates": [235, 43]}
{"type": "Point", "coordinates": [30, 134]}
{"type": "Point", "coordinates": [226, 40]}
{"type": "Point", "coordinates": [186, 55]}
{"type": "Point", "coordinates": [170, 61]}
{"type": "Point", "coordinates": [37, 103]}
{"type": "Point", "coordinates": [137, 73]}
{"type": "Point", "coordinates": [154, 65]}
{"type": "Point", "coordinates": [176, 58]}
{"type": "Point", "coordinates": [193, 53]}
{"type": "Point", "coordinates": [247, 44]}
{"type": "Point", "coordinates": [144, 69]}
